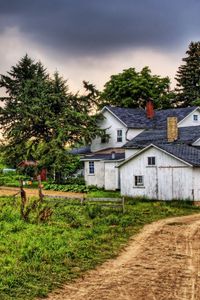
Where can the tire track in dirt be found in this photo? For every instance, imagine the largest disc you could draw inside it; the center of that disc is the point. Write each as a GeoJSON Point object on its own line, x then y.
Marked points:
{"type": "Point", "coordinates": [160, 263]}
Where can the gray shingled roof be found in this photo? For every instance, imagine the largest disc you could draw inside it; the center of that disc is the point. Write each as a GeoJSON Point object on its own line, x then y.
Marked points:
{"type": "Point", "coordinates": [81, 150]}
{"type": "Point", "coordinates": [187, 153]}
{"type": "Point", "coordinates": [136, 117]}
{"type": "Point", "coordinates": [186, 135]}
{"type": "Point", "coordinates": [102, 156]}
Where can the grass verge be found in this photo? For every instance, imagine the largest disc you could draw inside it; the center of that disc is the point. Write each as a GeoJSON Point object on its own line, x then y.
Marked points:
{"type": "Point", "coordinates": [36, 258]}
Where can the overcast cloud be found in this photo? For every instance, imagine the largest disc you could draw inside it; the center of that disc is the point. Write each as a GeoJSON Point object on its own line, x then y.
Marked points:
{"type": "Point", "coordinates": [91, 39]}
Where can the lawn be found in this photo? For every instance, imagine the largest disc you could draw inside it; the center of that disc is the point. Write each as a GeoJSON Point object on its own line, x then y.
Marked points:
{"type": "Point", "coordinates": [37, 257]}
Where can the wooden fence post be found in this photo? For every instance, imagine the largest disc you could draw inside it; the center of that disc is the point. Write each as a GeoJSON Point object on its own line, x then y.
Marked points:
{"type": "Point", "coordinates": [23, 200]}
{"type": "Point", "coordinates": [123, 205]}
{"type": "Point", "coordinates": [41, 196]}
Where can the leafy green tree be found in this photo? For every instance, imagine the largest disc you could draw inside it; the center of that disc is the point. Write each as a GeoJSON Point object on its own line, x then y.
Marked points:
{"type": "Point", "coordinates": [188, 77]}
{"type": "Point", "coordinates": [41, 117]}
{"type": "Point", "coordinates": [132, 89]}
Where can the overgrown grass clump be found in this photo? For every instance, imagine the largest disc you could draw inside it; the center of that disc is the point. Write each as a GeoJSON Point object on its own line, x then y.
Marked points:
{"type": "Point", "coordinates": [37, 257]}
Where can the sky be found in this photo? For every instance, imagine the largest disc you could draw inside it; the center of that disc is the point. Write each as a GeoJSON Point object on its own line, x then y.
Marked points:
{"type": "Point", "coordinates": [94, 39]}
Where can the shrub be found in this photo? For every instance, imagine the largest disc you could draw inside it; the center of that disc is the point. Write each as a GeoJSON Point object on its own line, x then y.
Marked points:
{"type": "Point", "coordinates": [93, 211]}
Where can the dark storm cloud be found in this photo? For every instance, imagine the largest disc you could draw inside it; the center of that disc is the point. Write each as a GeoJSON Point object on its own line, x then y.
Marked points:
{"type": "Point", "coordinates": [98, 26]}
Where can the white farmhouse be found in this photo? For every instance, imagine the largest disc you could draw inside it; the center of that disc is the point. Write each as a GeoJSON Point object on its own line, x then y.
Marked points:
{"type": "Point", "coordinates": [122, 127]}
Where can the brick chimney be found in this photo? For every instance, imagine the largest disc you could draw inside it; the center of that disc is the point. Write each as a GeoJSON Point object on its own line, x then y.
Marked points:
{"type": "Point", "coordinates": [172, 129]}
{"type": "Point", "coordinates": [149, 109]}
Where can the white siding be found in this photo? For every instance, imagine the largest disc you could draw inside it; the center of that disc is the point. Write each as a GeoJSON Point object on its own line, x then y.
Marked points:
{"type": "Point", "coordinates": [98, 177]}
{"type": "Point", "coordinates": [105, 175]}
{"type": "Point", "coordinates": [111, 176]}
{"type": "Point", "coordinates": [131, 133]}
{"type": "Point", "coordinates": [169, 179]}
{"type": "Point", "coordinates": [196, 185]}
{"type": "Point", "coordinates": [112, 124]}
{"type": "Point", "coordinates": [189, 121]}
{"type": "Point", "coordinates": [196, 143]}
{"type": "Point", "coordinates": [130, 152]}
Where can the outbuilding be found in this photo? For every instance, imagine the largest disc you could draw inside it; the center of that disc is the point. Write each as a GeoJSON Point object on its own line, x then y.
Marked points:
{"type": "Point", "coordinates": [163, 172]}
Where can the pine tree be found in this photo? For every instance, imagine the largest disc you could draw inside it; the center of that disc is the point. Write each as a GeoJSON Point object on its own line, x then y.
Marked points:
{"type": "Point", "coordinates": [188, 77]}
{"type": "Point", "coordinates": [40, 116]}
{"type": "Point", "coordinates": [25, 70]}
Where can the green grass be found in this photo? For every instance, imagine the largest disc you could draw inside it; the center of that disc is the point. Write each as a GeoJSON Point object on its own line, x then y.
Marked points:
{"type": "Point", "coordinates": [103, 194]}
{"type": "Point", "coordinates": [36, 258]}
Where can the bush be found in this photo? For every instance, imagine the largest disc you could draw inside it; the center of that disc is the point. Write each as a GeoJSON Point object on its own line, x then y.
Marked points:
{"type": "Point", "coordinates": [10, 179]}
{"type": "Point", "coordinates": [66, 188]}
{"type": "Point", "coordinates": [82, 188]}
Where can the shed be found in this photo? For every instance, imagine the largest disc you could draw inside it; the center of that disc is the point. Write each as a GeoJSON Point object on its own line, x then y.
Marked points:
{"type": "Point", "coordinates": [163, 172]}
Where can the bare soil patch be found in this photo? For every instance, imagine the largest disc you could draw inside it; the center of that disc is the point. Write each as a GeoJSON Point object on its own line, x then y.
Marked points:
{"type": "Point", "coordinates": [9, 191]}
{"type": "Point", "coordinates": [160, 263]}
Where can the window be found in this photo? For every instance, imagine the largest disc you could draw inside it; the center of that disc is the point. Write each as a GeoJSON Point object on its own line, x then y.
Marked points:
{"type": "Point", "coordinates": [151, 161]}
{"type": "Point", "coordinates": [119, 135]}
{"type": "Point", "coordinates": [195, 117]}
{"type": "Point", "coordinates": [91, 167]}
{"type": "Point", "coordinates": [139, 180]}
{"type": "Point", "coordinates": [104, 139]}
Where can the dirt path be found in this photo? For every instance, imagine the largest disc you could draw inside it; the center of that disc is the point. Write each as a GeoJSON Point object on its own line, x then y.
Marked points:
{"type": "Point", "coordinates": [160, 263]}
{"type": "Point", "coordinates": [9, 191]}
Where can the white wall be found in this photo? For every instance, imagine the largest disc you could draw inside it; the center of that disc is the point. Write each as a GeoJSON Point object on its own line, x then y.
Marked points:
{"type": "Point", "coordinates": [111, 124]}
{"type": "Point", "coordinates": [188, 121]}
{"type": "Point", "coordinates": [130, 152]}
{"type": "Point", "coordinates": [105, 174]}
{"type": "Point", "coordinates": [196, 184]}
{"type": "Point", "coordinates": [169, 179]}
{"type": "Point", "coordinates": [131, 133]}
{"type": "Point", "coordinates": [111, 176]}
{"type": "Point", "coordinates": [196, 143]}
{"type": "Point", "coordinates": [98, 177]}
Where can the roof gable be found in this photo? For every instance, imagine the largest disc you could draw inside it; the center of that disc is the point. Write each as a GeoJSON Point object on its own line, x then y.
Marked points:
{"type": "Point", "coordinates": [186, 154]}
{"type": "Point", "coordinates": [187, 116]}
{"type": "Point", "coordinates": [136, 117]}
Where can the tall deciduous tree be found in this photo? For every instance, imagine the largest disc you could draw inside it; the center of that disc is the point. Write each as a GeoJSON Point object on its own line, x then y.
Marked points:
{"type": "Point", "coordinates": [132, 89]}
{"type": "Point", "coordinates": [40, 117]}
{"type": "Point", "coordinates": [188, 77]}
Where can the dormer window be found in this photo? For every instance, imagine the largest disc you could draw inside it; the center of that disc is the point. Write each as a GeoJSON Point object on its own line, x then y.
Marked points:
{"type": "Point", "coordinates": [195, 118]}
{"type": "Point", "coordinates": [119, 135]}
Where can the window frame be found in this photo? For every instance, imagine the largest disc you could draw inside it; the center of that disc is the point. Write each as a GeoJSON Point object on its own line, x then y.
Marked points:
{"type": "Point", "coordinates": [105, 139]}
{"type": "Point", "coordinates": [195, 118]}
{"type": "Point", "coordinates": [91, 168]}
{"type": "Point", "coordinates": [138, 180]}
{"type": "Point", "coordinates": [151, 160]}
{"type": "Point", "coordinates": [119, 136]}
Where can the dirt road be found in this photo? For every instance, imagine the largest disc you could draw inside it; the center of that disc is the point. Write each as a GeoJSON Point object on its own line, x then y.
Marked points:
{"type": "Point", "coordinates": [9, 191]}
{"type": "Point", "coordinates": [160, 263]}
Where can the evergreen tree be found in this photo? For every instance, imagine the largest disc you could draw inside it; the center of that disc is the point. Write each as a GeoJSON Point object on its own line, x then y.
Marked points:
{"type": "Point", "coordinates": [25, 70]}
{"type": "Point", "coordinates": [41, 117]}
{"type": "Point", "coordinates": [188, 77]}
